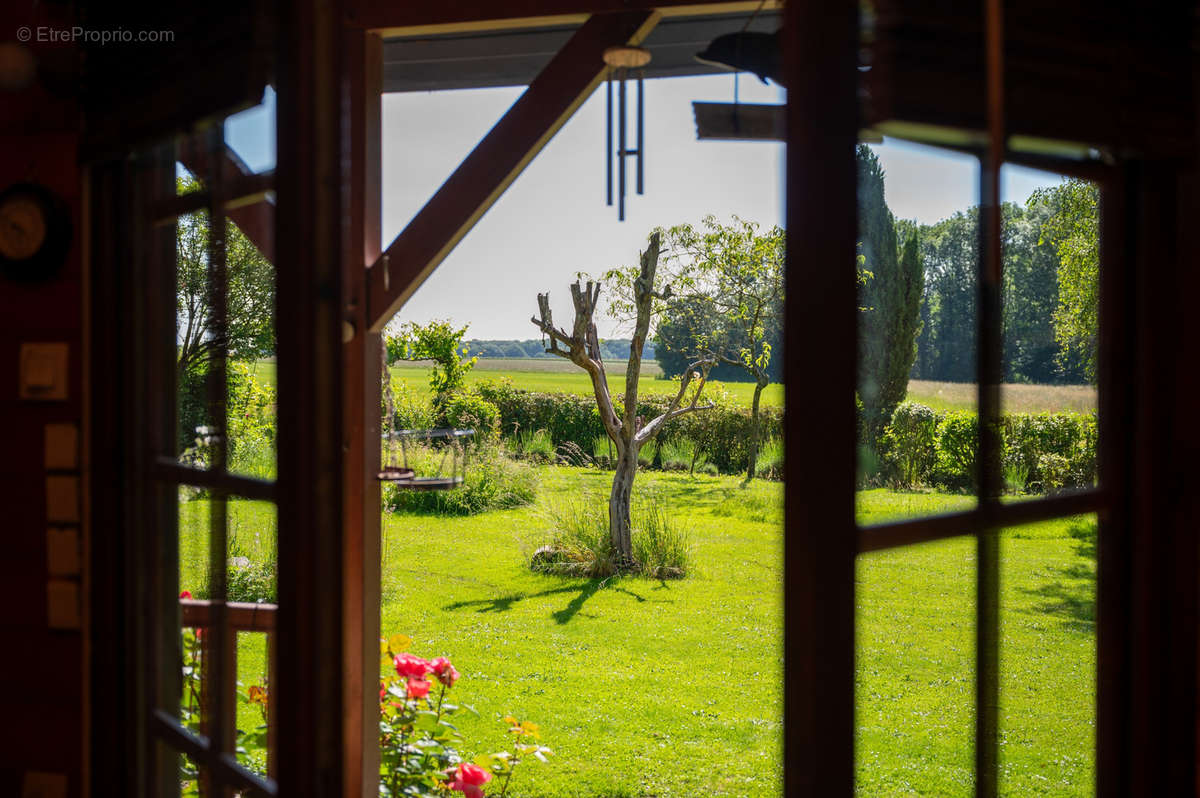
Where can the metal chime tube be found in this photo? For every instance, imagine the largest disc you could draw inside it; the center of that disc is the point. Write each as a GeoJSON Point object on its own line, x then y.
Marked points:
{"type": "Point", "coordinates": [608, 149]}
{"type": "Point", "coordinates": [641, 139]}
{"type": "Point", "coordinates": [621, 149]}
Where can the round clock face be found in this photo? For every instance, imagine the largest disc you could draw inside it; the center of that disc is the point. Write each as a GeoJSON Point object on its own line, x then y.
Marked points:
{"type": "Point", "coordinates": [22, 227]}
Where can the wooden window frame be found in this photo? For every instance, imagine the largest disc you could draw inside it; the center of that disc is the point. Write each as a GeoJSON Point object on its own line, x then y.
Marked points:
{"type": "Point", "coordinates": [328, 365]}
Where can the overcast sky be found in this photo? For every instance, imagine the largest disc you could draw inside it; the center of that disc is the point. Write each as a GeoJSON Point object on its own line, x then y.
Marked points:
{"type": "Point", "coordinates": [553, 221]}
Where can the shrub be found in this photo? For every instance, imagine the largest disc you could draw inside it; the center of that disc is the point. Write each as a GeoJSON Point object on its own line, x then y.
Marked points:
{"type": "Point", "coordinates": [471, 411]}
{"type": "Point", "coordinates": [410, 409]}
{"type": "Point", "coordinates": [908, 446]}
{"type": "Point", "coordinates": [722, 433]}
{"type": "Point", "coordinates": [492, 482]}
{"type": "Point", "coordinates": [957, 438]}
{"type": "Point", "coordinates": [580, 544]}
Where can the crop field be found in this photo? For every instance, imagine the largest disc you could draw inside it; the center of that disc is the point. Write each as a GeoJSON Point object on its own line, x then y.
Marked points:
{"type": "Point", "coordinates": [549, 375]}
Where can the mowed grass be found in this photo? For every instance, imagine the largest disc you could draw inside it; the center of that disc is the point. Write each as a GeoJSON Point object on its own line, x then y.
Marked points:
{"type": "Point", "coordinates": [556, 375]}
{"type": "Point", "coordinates": [659, 689]}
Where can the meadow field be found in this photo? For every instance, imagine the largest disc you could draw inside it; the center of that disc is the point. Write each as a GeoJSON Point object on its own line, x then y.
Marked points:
{"type": "Point", "coordinates": [666, 689]}
{"type": "Point", "coordinates": [550, 375]}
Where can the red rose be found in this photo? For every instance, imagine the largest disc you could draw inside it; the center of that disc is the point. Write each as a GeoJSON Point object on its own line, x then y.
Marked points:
{"type": "Point", "coordinates": [412, 667]}
{"type": "Point", "coordinates": [187, 594]}
{"type": "Point", "coordinates": [444, 671]}
{"type": "Point", "coordinates": [467, 778]}
{"type": "Point", "coordinates": [418, 688]}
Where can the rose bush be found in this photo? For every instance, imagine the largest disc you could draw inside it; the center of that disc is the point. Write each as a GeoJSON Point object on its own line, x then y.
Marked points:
{"type": "Point", "coordinates": [418, 743]}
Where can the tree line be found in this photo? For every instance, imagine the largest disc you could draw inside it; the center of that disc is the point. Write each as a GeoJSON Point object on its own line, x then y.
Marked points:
{"type": "Point", "coordinates": [918, 295]}
{"type": "Point", "coordinates": [610, 348]}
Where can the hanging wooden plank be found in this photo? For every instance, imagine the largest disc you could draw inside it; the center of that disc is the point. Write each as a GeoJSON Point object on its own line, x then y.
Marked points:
{"type": "Point", "coordinates": [496, 161]}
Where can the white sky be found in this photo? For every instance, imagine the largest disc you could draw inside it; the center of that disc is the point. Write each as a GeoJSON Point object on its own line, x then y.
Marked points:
{"type": "Point", "coordinates": [553, 221]}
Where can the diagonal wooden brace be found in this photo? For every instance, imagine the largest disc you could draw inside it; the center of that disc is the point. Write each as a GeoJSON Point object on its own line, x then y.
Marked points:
{"type": "Point", "coordinates": [551, 99]}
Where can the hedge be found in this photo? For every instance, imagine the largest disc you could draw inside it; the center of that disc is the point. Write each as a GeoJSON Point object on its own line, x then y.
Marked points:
{"type": "Point", "coordinates": [722, 432]}
{"type": "Point", "coordinates": [1043, 452]}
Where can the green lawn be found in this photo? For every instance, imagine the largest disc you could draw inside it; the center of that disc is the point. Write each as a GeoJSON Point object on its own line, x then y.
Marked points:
{"type": "Point", "coordinates": [647, 688]}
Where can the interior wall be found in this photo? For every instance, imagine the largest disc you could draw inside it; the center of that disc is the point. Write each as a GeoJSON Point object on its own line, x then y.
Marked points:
{"type": "Point", "coordinates": [42, 669]}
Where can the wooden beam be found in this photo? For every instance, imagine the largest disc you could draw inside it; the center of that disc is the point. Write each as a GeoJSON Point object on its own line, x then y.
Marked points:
{"type": "Point", "coordinates": [820, 55]}
{"type": "Point", "coordinates": [496, 161]}
{"type": "Point", "coordinates": [362, 79]}
{"type": "Point", "coordinates": [256, 219]}
{"type": "Point", "coordinates": [389, 18]}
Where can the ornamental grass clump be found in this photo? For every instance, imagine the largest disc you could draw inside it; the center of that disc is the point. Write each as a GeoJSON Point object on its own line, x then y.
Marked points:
{"type": "Point", "coordinates": [580, 544]}
{"type": "Point", "coordinates": [418, 743]}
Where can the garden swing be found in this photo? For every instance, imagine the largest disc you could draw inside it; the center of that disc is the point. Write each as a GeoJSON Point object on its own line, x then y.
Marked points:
{"type": "Point", "coordinates": [407, 449]}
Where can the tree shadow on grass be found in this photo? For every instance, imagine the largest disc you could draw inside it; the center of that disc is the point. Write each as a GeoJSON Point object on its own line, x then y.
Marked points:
{"type": "Point", "coordinates": [1072, 597]}
{"type": "Point", "coordinates": [583, 592]}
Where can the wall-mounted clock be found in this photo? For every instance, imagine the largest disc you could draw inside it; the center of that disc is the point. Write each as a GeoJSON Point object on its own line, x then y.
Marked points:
{"type": "Point", "coordinates": [35, 232]}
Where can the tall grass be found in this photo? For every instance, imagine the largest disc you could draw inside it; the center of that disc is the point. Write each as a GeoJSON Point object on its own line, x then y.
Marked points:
{"type": "Point", "coordinates": [770, 460]}
{"type": "Point", "coordinates": [683, 454]}
{"type": "Point", "coordinates": [492, 482]}
{"type": "Point", "coordinates": [580, 544]}
{"type": "Point", "coordinates": [534, 445]}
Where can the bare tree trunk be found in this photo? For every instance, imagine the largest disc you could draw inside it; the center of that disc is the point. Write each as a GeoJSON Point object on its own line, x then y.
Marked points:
{"type": "Point", "coordinates": [755, 430]}
{"type": "Point", "coordinates": [620, 525]}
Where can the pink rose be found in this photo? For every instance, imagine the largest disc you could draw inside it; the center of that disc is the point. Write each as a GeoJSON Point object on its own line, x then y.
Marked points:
{"type": "Point", "coordinates": [444, 671]}
{"type": "Point", "coordinates": [467, 778]}
{"type": "Point", "coordinates": [412, 667]}
{"type": "Point", "coordinates": [187, 594]}
{"type": "Point", "coordinates": [418, 688]}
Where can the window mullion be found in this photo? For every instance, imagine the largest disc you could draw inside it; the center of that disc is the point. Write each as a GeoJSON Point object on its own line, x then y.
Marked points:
{"type": "Point", "coordinates": [218, 670]}
{"type": "Point", "coordinates": [990, 370]}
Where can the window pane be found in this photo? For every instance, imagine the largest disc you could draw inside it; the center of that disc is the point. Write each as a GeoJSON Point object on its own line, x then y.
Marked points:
{"type": "Point", "coordinates": [917, 272]}
{"type": "Point", "coordinates": [1048, 658]}
{"type": "Point", "coordinates": [195, 339]}
{"type": "Point", "coordinates": [250, 135]}
{"type": "Point", "coordinates": [915, 670]}
{"type": "Point", "coordinates": [1051, 289]}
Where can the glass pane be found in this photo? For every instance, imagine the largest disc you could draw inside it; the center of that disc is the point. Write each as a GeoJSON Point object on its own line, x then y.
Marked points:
{"type": "Point", "coordinates": [251, 301]}
{"type": "Point", "coordinates": [250, 135]}
{"type": "Point", "coordinates": [253, 557]}
{"type": "Point", "coordinates": [195, 340]}
{"type": "Point", "coordinates": [915, 670]}
{"type": "Point", "coordinates": [917, 271]}
{"type": "Point", "coordinates": [1048, 658]}
{"type": "Point", "coordinates": [253, 704]}
{"type": "Point", "coordinates": [1051, 290]}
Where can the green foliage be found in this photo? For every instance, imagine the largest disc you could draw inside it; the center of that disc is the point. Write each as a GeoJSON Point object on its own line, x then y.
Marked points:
{"type": "Point", "coordinates": [534, 445]}
{"type": "Point", "coordinates": [678, 453]}
{"type": "Point", "coordinates": [250, 294]}
{"type": "Point", "coordinates": [890, 298]}
{"type": "Point", "coordinates": [1073, 228]}
{"type": "Point", "coordinates": [492, 482]}
{"type": "Point", "coordinates": [471, 411]}
{"type": "Point", "coordinates": [770, 460]}
{"type": "Point", "coordinates": [418, 743]}
{"type": "Point", "coordinates": [1042, 452]}
{"type": "Point", "coordinates": [410, 409]}
{"type": "Point", "coordinates": [250, 414]}
{"type": "Point", "coordinates": [580, 544]}
{"type": "Point", "coordinates": [440, 342]}
{"type": "Point", "coordinates": [727, 299]}
{"type": "Point", "coordinates": [909, 443]}
{"type": "Point", "coordinates": [957, 444]}
{"type": "Point", "coordinates": [722, 433]}
{"type": "Point", "coordinates": [250, 747]}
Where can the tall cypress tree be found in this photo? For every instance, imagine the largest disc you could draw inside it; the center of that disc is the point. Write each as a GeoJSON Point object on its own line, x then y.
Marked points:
{"type": "Point", "coordinates": [891, 298]}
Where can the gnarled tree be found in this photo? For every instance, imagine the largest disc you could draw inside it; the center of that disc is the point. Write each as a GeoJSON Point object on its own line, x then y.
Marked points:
{"type": "Point", "coordinates": [628, 431]}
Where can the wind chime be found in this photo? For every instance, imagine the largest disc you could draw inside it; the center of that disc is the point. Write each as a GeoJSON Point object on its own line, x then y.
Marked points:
{"type": "Point", "coordinates": [620, 61]}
